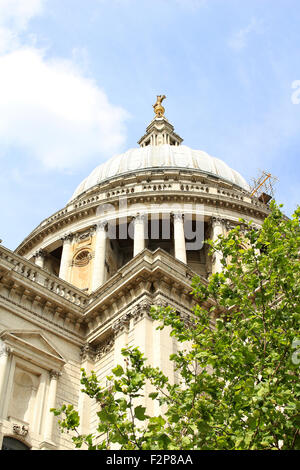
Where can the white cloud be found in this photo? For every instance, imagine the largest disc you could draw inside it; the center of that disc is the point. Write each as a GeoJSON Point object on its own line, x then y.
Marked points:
{"type": "Point", "coordinates": [55, 113]}
{"type": "Point", "coordinates": [14, 18]}
{"type": "Point", "coordinates": [49, 108]}
{"type": "Point", "coordinates": [239, 39]}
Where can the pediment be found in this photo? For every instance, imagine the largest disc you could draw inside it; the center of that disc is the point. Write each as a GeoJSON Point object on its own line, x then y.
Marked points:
{"type": "Point", "coordinates": [33, 344]}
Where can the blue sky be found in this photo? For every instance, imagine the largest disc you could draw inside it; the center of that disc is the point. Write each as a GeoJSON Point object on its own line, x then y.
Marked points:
{"type": "Point", "coordinates": [78, 80]}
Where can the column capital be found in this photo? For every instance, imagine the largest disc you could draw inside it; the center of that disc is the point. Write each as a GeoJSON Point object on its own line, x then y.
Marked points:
{"type": "Point", "coordinates": [87, 352]}
{"type": "Point", "coordinates": [54, 374]}
{"type": "Point", "coordinates": [105, 347]}
{"type": "Point", "coordinates": [141, 311]}
{"type": "Point", "coordinates": [5, 350]}
{"type": "Point", "coordinates": [177, 216]}
{"type": "Point", "coordinates": [40, 253]}
{"type": "Point", "coordinates": [217, 221]}
{"type": "Point", "coordinates": [139, 218]}
{"type": "Point", "coordinates": [67, 237]}
{"type": "Point", "coordinates": [102, 225]}
{"type": "Point", "coordinates": [121, 325]}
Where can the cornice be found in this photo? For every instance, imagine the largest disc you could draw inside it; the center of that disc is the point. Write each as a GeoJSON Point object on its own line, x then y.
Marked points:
{"type": "Point", "coordinates": [149, 273]}
{"type": "Point", "coordinates": [165, 185]}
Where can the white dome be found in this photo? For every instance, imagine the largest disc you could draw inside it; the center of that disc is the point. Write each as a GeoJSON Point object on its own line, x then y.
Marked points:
{"type": "Point", "coordinates": [162, 156]}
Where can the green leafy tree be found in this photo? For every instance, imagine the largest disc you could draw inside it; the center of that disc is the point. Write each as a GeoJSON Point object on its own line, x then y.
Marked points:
{"type": "Point", "coordinates": [238, 367]}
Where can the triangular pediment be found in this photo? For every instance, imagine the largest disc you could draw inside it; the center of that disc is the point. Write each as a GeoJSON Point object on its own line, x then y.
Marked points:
{"type": "Point", "coordinates": [35, 341]}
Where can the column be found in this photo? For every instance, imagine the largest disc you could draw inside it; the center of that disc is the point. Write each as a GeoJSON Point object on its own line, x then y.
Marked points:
{"type": "Point", "coordinates": [39, 258]}
{"type": "Point", "coordinates": [65, 257]}
{"type": "Point", "coordinates": [179, 238]}
{"type": "Point", "coordinates": [142, 338]}
{"type": "Point", "coordinates": [51, 403]}
{"type": "Point", "coordinates": [4, 364]}
{"type": "Point", "coordinates": [139, 233]}
{"type": "Point", "coordinates": [99, 259]}
{"type": "Point", "coordinates": [84, 401]}
{"type": "Point", "coordinates": [217, 229]}
{"type": "Point", "coordinates": [120, 329]}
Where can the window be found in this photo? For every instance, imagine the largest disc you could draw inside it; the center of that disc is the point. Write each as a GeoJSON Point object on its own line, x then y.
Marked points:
{"type": "Point", "coordinates": [82, 258]}
{"type": "Point", "coordinates": [9, 443]}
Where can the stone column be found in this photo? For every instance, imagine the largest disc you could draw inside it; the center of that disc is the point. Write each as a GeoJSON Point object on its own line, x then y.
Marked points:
{"type": "Point", "coordinates": [142, 337]}
{"type": "Point", "coordinates": [217, 229]}
{"type": "Point", "coordinates": [139, 233]}
{"type": "Point", "coordinates": [4, 365]}
{"type": "Point", "coordinates": [84, 402]}
{"type": "Point", "coordinates": [179, 238]}
{"type": "Point", "coordinates": [51, 402]}
{"type": "Point", "coordinates": [120, 329]}
{"type": "Point", "coordinates": [99, 259]}
{"type": "Point", "coordinates": [65, 257]}
{"type": "Point", "coordinates": [39, 258]}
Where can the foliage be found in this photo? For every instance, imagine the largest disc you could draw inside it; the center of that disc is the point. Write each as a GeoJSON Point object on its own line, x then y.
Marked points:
{"type": "Point", "coordinates": [238, 382]}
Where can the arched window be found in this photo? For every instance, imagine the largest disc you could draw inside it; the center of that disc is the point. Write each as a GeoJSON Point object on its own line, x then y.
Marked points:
{"type": "Point", "coordinates": [9, 443]}
{"type": "Point", "coordinates": [82, 258]}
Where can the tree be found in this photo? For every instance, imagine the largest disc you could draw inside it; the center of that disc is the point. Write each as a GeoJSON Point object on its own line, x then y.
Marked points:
{"type": "Point", "coordinates": [238, 367]}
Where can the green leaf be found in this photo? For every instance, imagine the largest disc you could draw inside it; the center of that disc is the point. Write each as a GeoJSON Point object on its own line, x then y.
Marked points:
{"type": "Point", "coordinates": [118, 371]}
{"type": "Point", "coordinates": [139, 412]}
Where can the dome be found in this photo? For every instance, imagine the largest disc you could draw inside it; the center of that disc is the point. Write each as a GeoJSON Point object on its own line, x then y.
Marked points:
{"type": "Point", "coordinates": [157, 157]}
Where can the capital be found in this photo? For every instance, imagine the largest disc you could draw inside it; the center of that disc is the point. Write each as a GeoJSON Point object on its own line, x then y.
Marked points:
{"type": "Point", "coordinates": [40, 253]}
{"type": "Point", "coordinates": [102, 226]}
{"type": "Point", "coordinates": [4, 350]}
{"type": "Point", "coordinates": [139, 218]}
{"type": "Point", "coordinates": [105, 347]}
{"type": "Point", "coordinates": [54, 374]}
{"type": "Point", "coordinates": [87, 352]}
{"type": "Point", "coordinates": [217, 221]}
{"type": "Point", "coordinates": [67, 237]}
{"type": "Point", "coordinates": [121, 325]}
{"type": "Point", "coordinates": [177, 216]}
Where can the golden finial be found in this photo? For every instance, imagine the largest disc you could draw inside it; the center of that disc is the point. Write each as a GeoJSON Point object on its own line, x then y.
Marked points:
{"type": "Point", "coordinates": [158, 108]}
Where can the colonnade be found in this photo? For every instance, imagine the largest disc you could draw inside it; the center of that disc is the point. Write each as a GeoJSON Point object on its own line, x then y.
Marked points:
{"type": "Point", "coordinates": [139, 243]}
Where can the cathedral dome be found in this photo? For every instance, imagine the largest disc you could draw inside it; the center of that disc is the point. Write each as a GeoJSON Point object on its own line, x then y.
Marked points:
{"type": "Point", "coordinates": [161, 156]}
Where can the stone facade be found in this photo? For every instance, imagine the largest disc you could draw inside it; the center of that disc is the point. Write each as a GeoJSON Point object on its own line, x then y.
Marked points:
{"type": "Point", "coordinates": [79, 288]}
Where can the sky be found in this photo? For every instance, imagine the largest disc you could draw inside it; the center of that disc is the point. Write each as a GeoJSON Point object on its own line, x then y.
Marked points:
{"type": "Point", "coordinates": [78, 80]}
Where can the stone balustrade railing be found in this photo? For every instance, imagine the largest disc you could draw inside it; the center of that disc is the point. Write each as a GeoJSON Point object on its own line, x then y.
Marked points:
{"type": "Point", "coordinates": [13, 262]}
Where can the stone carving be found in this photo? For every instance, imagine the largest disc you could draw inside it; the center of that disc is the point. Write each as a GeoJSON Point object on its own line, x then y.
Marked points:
{"type": "Point", "coordinates": [141, 311]}
{"type": "Point", "coordinates": [103, 225]}
{"type": "Point", "coordinates": [67, 237]}
{"type": "Point", "coordinates": [20, 430]}
{"type": "Point", "coordinates": [121, 325]}
{"type": "Point", "coordinates": [54, 374]}
{"type": "Point", "coordinates": [177, 216]}
{"type": "Point", "coordinates": [40, 253]}
{"type": "Point", "coordinates": [105, 347]}
{"type": "Point", "coordinates": [4, 349]}
{"type": "Point", "coordinates": [139, 218]}
{"type": "Point", "coordinates": [87, 352]}
{"type": "Point", "coordinates": [217, 221]}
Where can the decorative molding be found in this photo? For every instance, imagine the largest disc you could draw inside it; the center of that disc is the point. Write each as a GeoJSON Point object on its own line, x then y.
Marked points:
{"type": "Point", "coordinates": [139, 218]}
{"type": "Point", "coordinates": [105, 347]}
{"type": "Point", "coordinates": [178, 216]}
{"type": "Point", "coordinates": [217, 221]}
{"type": "Point", "coordinates": [67, 237]}
{"type": "Point", "coordinates": [4, 349]}
{"type": "Point", "coordinates": [40, 253]}
{"type": "Point", "coordinates": [87, 351]}
{"type": "Point", "coordinates": [54, 374]}
{"type": "Point", "coordinates": [20, 430]}
{"type": "Point", "coordinates": [121, 325]}
{"type": "Point", "coordinates": [141, 311]}
{"type": "Point", "coordinates": [102, 226]}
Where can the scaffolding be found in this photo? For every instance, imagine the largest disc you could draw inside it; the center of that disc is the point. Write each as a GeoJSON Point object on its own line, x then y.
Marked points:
{"type": "Point", "coordinates": [263, 186]}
